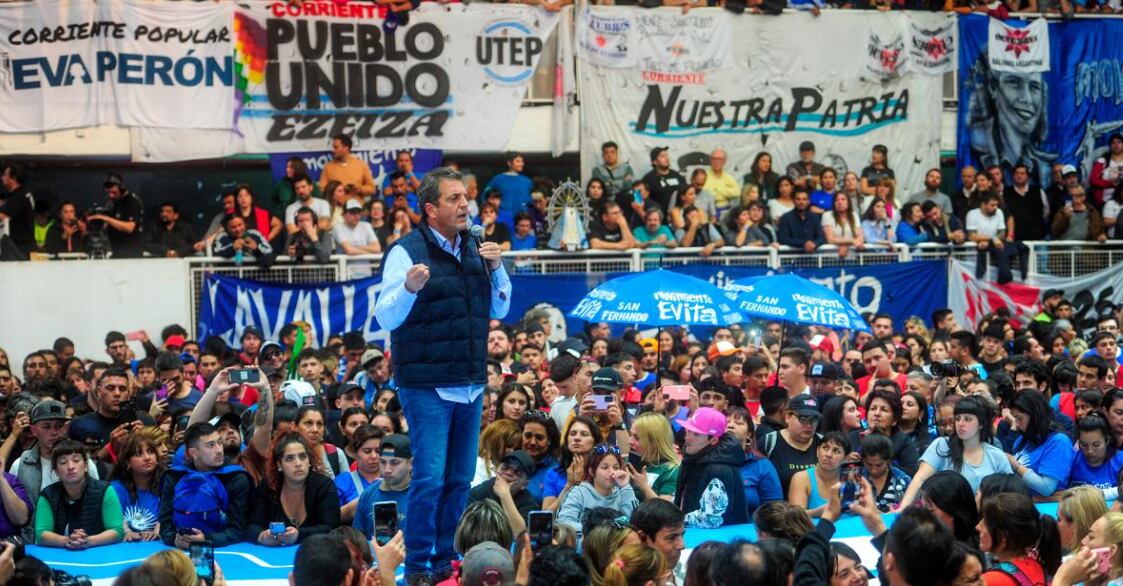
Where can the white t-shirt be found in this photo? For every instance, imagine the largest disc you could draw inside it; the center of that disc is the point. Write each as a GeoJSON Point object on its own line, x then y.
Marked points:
{"type": "Point", "coordinates": [1111, 210]}
{"type": "Point", "coordinates": [841, 230]}
{"type": "Point", "coordinates": [361, 235]}
{"type": "Point", "coordinates": [320, 206]}
{"type": "Point", "coordinates": [985, 225]}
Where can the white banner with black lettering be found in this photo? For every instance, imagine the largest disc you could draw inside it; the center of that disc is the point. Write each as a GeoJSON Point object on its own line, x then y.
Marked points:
{"type": "Point", "coordinates": [934, 46]}
{"type": "Point", "coordinates": [69, 64]}
{"type": "Point", "coordinates": [453, 78]}
{"type": "Point", "coordinates": [1023, 49]}
{"type": "Point", "coordinates": [777, 90]}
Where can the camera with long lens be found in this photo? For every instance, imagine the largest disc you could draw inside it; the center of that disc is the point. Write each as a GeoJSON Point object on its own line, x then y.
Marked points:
{"type": "Point", "coordinates": [946, 369]}
{"type": "Point", "coordinates": [97, 235]}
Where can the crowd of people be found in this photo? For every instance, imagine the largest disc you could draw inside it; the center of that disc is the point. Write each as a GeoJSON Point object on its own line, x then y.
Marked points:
{"type": "Point", "coordinates": [628, 440]}
{"type": "Point", "coordinates": [803, 207]}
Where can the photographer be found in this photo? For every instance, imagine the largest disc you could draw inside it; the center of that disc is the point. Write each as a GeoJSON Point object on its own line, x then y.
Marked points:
{"type": "Point", "coordinates": [308, 238]}
{"type": "Point", "coordinates": [68, 234]}
{"type": "Point", "coordinates": [238, 243]}
{"type": "Point", "coordinates": [121, 219]}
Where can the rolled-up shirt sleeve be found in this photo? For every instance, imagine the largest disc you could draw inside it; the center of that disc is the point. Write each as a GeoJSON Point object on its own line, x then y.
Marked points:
{"type": "Point", "coordinates": [394, 301]}
{"type": "Point", "coordinates": [500, 293]}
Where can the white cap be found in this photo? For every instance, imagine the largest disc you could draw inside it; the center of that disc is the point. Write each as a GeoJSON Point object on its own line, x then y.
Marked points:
{"type": "Point", "coordinates": [299, 392]}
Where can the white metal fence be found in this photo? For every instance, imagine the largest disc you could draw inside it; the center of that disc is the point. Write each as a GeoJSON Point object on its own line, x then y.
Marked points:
{"type": "Point", "coordinates": [1063, 259]}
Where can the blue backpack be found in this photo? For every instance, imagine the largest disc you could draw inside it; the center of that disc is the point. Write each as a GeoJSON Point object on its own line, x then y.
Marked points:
{"type": "Point", "coordinates": [200, 500]}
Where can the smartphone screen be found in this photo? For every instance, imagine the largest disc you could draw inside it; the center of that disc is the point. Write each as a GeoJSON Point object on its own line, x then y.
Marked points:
{"type": "Point", "coordinates": [601, 402]}
{"type": "Point", "coordinates": [677, 392]}
{"type": "Point", "coordinates": [385, 521]}
{"type": "Point", "coordinates": [540, 529]}
{"type": "Point", "coordinates": [244, 376]}
{"type": "Point", "coordinates": [128, 411]}
{"type": "Point", "coordinates": [162, 393]}
{"type": "Point", "coordinates": [202, 557]}
{"type": "Point", "coordinates": [850, 474]}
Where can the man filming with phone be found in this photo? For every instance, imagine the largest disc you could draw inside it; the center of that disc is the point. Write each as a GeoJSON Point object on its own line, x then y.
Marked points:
{"type": "Point", "coordinates": [396, 469]}
{"type": "Point", "coordinates": [115, 415]}
{"type": "Point", "coordinates": [175, 391]}
{"type": "Point", "coordinates": [604, 404]}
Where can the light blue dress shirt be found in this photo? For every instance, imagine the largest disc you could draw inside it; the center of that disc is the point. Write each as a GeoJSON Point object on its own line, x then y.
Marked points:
{"type": "Point", "coordinates": [395, 302]}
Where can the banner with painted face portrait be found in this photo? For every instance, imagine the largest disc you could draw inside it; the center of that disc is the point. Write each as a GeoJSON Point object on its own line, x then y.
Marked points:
{"type": "Point", "coordinates": [1042, 119]}
{"type": "Point", "coordinates": [774, 91]}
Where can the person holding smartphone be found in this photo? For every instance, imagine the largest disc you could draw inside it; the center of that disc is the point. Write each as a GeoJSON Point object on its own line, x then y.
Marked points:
{"type": "Point", "coordinates": [295, 501]}
{"type": "Point", "coordinates": [396, 474]}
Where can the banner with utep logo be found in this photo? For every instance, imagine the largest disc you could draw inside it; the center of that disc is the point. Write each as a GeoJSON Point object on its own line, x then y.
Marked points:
{"type": "Point", "coordinates": [453, 78]}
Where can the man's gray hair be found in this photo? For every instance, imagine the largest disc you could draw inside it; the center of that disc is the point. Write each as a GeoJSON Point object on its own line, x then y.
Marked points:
{"type": "Point", "coordinates": [430, 189]}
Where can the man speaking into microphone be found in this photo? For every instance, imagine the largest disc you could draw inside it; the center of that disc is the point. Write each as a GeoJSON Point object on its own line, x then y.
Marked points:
{"type": "Point", "coordinates": [440, 288]}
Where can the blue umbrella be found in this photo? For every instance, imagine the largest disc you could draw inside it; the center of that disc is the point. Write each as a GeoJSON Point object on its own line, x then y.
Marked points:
{"type": "Point", "coordinates": [658, 298]}
{"type": "Point", "coordinates": [789, 297]}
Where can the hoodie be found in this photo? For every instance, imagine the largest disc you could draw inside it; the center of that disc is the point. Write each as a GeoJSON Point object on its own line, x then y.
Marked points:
{"type": "Point", "coordinates": [709, 486]}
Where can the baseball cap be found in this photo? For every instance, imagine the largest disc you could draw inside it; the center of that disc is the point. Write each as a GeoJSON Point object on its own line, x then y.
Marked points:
{"type": "Point", "coordinates": [821, 342]}
{"type": "Point", "coordinates": [649, 343]}
{"type": "Point", "coordinates": [269, 347]}
{"type": "Point", "coordinates": [519, 459]}
{"type": "Point", "coordinates": [230, 416]}
{"type": "Point", "coordinates": [1067, 169]}
{"type": "Point", "coordinates": [1052, 293]}
{"type": "Point", "coordinates": [705, 421]}
{"type": "Point", "coordinates": [487, 564]}
{"type": "Point", "coordinates": [825, 370]}
{"type": "Point", "coordinates": [575, 347]}
{"type": "Point", "coordinates": [722, 348]}
{"type": "Point", "coordinates": [806, 146]}
{"type": "Point", "coordinates": [298, 392]}
{"type": "Point", "coordinates": [174, 342]}
{"type": "Point", "coordinates": [352, 206]}
{"type": "Point", "coordinates": [395, 445]}
{"type": "Point", "coordinates": [607, 379]}
{"type": "Point", "coordinates": [655, 151]}
{"type": "Point", "coordinates": [805, 405]}
{"type": "Point", "coordinates": [370, 357]}
{"type": "Point", "coordinates": [46, 410]}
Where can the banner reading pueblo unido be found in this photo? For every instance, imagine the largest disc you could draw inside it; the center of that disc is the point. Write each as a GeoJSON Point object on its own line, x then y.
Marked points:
{"type": "Point", "coordinates": [75, 63]}
{"type": "Point", "coordinates": [749, 85]}
{"type": "Point", "coordinates": [453, 78]}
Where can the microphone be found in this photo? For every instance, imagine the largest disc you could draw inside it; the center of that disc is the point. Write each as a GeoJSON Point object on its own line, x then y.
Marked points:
{"type": "Point", "coordinates": [477, 233]}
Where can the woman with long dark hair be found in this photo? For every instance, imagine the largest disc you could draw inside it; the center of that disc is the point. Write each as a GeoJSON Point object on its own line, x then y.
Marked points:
{"type": "Point", "coordinates": [284, 192]}
{"type": "Point", "coordinates": [840, 413]}
{"type": "Point", "coordinates": [948, 496]}
{"type": "Point", "coordinates": [1042, 453]}
{"type": "Point", "coordinates": [136, 479]}
{"type": "Point", "coordinates": [968, 451]}
{"type": "Point", "coordinates": [761, 175]}
{"type": "Point", "coordinates": [914, 419]}
{"type": "Point", "coordinates": [540, 440]}
{"type": "Point", "coordinates": [1025, 544]}
{"type": "Point", "coordinates": [782, 202]}
{"type": "Point", "coordinates": [887, 481]}
{"type": "Point", "coordinates": [293, 494]}
{"type": "Point", "coordinates": [758, 475]}
{"type": "Point", "coordinates": [256, 217]}
{"type": "Point", "coordinates": [581, 435]}
{"type": "Point", "coordinates": [1098, 462]}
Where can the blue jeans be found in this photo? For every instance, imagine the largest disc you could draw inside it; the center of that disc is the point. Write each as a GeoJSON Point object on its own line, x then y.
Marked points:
{"type": "Point", "coordinates": [443, 436]}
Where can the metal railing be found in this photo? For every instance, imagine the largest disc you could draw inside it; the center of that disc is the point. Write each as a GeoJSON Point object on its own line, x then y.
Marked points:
{"type": "Point", "coordinates": [1067, 259]}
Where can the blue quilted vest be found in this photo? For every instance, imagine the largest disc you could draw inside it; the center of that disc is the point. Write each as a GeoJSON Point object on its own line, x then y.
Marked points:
{"type": "Point", "coordinates": [443, 341]}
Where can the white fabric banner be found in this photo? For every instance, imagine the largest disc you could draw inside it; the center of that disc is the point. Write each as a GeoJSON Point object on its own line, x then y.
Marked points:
{"type": "Point", "coordinates": [605, 40]}
{"type": "Point", "coordinates": [677, 48]}
{"type": "Point", "coordinates": [453, 78]}
{"type": "Point", "coordinates": [1018, 49]}
{"type": "Point", "coordinates": [934, 47]}
{"type": "Point", "coordinates": [970, 298]}
{"type": "Point", "coordinates": [887, 42]}
{"type": "Point", "coordinates": [777, 90]}
{"type": "Point", "coordinates": [69, 64]}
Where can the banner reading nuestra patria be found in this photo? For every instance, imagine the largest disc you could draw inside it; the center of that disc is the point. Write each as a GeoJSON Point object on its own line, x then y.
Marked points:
{"type": "Point", "coordinates": [453, 78]}
{"type": "Point", "coordinates": [749, 85]}
{"type": "Point", "coordinates": [70, 64]}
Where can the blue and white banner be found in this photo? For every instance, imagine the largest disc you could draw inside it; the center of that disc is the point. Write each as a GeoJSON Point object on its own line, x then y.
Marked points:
{"type": "Point", "coordinates": [381, 163]}
{"type": "Point", "coordinates": [230, 305]}
{"type": "Point", "coordinates": [773, 90]}
{"type": "Point", "coordinates": [1064, 115]}
{"type": "Point", "coordinates": [901, 290]}
{"type": "Point", "coordinates": [69, 64]}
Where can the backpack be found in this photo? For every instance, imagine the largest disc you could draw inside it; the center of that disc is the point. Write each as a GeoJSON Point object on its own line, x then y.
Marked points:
{"type": "Point", "coordinates": [1014, 572]}
{"type": "Point", "coordinates": [200, 499]}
